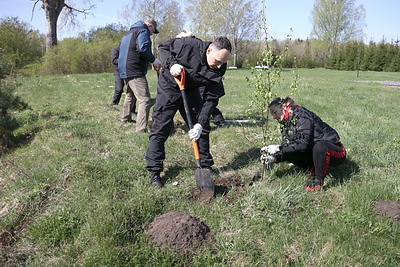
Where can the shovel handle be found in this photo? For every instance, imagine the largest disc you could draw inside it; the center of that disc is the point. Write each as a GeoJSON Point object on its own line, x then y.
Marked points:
{"type": "Point", "coordinates": [180, 80]}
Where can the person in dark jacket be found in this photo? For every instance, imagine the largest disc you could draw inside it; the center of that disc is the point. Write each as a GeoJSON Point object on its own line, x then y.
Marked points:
{"type": "Point", "coordinates": [307, 141]}
{"type": "Point", "coordinates": [219, 119]}
{"type": "Point", "coordinates": [204, 64]}
{"type": "Point", "coordinates": [134, 55]}
{"type": "Point", "coordinates": [118, 82]}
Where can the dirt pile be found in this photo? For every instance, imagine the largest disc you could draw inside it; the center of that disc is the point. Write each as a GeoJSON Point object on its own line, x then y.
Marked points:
{"type": "Point", "coordinates": [180, 232]}
{"type": "Point", "coordinates": [388, 208]}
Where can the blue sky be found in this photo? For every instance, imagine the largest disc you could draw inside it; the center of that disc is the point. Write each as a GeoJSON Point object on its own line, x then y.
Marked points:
{"type": "Point", "coordinates": [382, 17]}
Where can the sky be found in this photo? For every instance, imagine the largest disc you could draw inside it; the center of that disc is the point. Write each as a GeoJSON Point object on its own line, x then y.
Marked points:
{"type": "Point", "coordinates": [382, 17]}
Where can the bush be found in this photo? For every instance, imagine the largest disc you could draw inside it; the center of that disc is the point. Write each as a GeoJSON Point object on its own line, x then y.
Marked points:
{"type": "Point", "coordinates": [8, 103]}
{"type": "Point", "coordinates": [76, 56]}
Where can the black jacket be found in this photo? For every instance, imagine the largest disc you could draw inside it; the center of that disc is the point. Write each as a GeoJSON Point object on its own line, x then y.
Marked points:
{"type": "Point", "coordinates": [303, 130]}
{"type": "Point", "coordinates": [202, 82]}
{"type": "Point", "coordinates": [114, 58]}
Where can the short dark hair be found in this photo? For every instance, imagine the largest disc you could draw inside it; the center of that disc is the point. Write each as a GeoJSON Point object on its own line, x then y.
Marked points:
{"type": "Point", "coordinates": [279, 101]}
{"type": "Point", "coordinates": [222, 42]}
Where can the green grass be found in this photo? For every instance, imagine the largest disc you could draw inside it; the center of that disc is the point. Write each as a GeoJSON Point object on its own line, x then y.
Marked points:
{"type": "Point", "coordinates": [75, 191]}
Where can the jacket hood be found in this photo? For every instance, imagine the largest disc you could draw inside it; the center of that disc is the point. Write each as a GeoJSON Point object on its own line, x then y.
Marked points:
{"type": "Point", "coordinates": [139, 24]}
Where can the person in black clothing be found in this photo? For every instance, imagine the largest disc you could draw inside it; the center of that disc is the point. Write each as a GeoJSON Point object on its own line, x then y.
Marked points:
{"type": "Point", "coordinates": [204, 64]}
{"type": "Point", "coordinates": [219, 119]}
{"type": "Point", "coordinates": [307, 141]}
{"type": "Point", "coordinates": [119, 83]}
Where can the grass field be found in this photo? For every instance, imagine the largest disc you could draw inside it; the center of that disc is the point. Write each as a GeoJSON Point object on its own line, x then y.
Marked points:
{"type": "Point", "coordinates": [74, 192]}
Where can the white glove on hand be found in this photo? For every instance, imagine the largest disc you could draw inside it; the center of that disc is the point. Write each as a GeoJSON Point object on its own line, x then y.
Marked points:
{"type": "Point", "coordinates": [176, 70]}
{"type": "Point", "coordinates": [271, 149]}
{"type": "Point", "coordinates": [156, 63]}
{"type": "Point", "coordinates": [267, 159]}
{"type": "Point", "coordinates": [195, 132]}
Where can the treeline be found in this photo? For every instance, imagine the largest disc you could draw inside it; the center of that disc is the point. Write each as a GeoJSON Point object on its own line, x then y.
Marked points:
{"type": "Point", "coordinates": [352, 55]}
{"type": "Point", "coordinates": [23, 50]}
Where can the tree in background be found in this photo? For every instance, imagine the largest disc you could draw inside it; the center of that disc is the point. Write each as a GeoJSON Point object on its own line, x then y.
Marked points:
{"type": "Point", "coordinates": [19, 45]}
{"type": "Point", "coordinates": [235, 19]}
{"type": "Point", "coordinates": [53, 10]}
{"type": "Point", "coordinates": [337, 21]}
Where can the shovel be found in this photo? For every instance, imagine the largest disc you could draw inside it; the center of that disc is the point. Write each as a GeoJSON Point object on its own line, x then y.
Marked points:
{"type": "Point", "coordinates": [203, 177]}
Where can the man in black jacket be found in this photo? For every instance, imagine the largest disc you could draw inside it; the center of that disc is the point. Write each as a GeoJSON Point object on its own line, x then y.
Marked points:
{"type": "Point", "coordinates": [134, 55]}
{"type": "Point", "coordinates": [307, 141]}
{"type": "Point", "coordinates": [204, 64]}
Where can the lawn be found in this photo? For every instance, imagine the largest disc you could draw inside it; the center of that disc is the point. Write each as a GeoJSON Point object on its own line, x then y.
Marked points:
{"type": "Point", "coordinates": [74, 191]}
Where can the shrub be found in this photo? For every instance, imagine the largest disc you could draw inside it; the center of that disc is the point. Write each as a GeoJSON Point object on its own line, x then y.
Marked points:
{"type": "Point", "coordinates": [8, 103]}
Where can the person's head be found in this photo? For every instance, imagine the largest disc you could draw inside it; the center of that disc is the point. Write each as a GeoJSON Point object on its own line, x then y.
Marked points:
{"type": "Point", "coordinates": [185, 33]}
{"type": "Point", "coordinates": [280, 108]}
{"type": "Point", "coordinates": [218, 52]}
{"type": "Point", "coordinates": [151, 25]}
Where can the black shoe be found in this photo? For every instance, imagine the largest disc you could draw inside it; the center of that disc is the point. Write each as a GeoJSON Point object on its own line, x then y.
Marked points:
{"type": "Point", "coordinates": [222, 124]}
{"type": "Point", "coordinates": [113, 104]}
{"type": "Point", "coordinates": [316, 185]}
{"type": "Point", "coordinates": [156, 180]}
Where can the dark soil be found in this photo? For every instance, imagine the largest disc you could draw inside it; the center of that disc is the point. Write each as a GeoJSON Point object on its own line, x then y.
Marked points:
{"type": "Point", "coordinates": [223, 188]}
{"type": "Point", "coordinates": [179, 231]}
{"type": "Point", "coordinates": [388, 208]}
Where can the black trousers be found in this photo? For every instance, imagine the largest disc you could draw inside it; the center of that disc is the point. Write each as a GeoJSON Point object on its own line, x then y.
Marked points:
{"type": "Point", "coordinates": [119, 86]}
{"type": "Point", "coordinates": [217, 115]}
{"type": "Point", "coordinates": [163, 114]}
{"type": "Point", "coordinates": [323, 155]}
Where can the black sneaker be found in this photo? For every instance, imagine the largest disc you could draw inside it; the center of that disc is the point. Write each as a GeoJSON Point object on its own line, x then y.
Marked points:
{"type": "Point", "coordinates": [316, 185]}
{"type": "Point", "coordinates": [156, 180]}
{"type": "Point", "coordinates": [222, 124]}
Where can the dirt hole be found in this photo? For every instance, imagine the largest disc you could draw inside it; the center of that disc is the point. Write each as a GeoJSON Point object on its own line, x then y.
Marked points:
{"type": "Point", "coordinates": [388, 208]}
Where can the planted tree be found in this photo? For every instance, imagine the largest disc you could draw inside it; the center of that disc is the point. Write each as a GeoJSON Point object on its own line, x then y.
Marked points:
{"type": "Point", "coordinates": [266, 78]}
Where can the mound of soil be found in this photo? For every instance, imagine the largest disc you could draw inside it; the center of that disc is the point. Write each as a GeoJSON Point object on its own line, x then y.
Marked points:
{"type": "Point", "coordinates": [180, 232]}
{"type": "Point", "coordinates": [388, 208]}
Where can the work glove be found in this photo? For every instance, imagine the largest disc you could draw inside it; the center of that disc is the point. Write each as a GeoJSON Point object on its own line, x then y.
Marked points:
{"type": "Point", "coordinates": [176, 70]}
{"type": "Point", "coordinates": [269, 150]}
{"type": "Point", "coordinates": [267, 159]}
{"type": "Point", "coordinates": [195, 132]}
{"type": "Point", "coordinates": [156, 63]}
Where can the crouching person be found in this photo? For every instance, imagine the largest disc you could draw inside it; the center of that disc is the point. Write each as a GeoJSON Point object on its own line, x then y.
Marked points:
{"type": "Point", "coordinates": [307, 141]}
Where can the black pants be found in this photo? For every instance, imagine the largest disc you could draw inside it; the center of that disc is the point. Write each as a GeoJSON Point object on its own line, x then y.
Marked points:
{"type": "Point", "coordinates": [323, 155]}
{"type": "Point", "coordinates": [119, 88]}
{"type": "Point", "coordinates": [163, 114]}
{"type": "Point", "coordinates": [217, 115]}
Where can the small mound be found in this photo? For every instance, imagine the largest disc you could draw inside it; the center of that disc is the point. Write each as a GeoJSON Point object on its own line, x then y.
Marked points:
{"type": "Point", "coordinates": [388, 208]}
{"type": "Point", "coordinates": [179, 231]}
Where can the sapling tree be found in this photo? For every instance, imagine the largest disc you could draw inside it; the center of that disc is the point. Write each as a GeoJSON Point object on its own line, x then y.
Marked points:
{"type": "Point", "coordinates": [267, 77]}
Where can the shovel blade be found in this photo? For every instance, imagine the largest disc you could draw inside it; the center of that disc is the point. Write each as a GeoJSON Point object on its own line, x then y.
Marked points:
{"type": "Point", "coordinates": [204, 179]}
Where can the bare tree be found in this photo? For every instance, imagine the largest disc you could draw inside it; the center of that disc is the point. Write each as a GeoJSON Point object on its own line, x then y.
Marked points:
{"type": "Point", "coordinates": [336, 21]}
{"type": "Point", "coordinates": [235, 19]}
{"type": "Point", "coordinates": [53, 9]}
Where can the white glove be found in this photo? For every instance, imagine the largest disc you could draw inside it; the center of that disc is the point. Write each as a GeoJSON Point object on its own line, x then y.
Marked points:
{"type": "Point", "coordinates": [267, 159]}
{"type": "Point", "coordinates": [156, 63]}
{"type": "Point", "coordinates": [271, 149]}
{"type": "Point", "coordinates": [195, 132]}
{"type": "Point", "coordinates": [176, 69]}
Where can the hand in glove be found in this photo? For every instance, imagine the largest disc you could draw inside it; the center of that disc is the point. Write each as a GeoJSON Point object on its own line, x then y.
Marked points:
{"type": "Point", "coordinates": [176, 70]}
{"type": "Point", "coordinates": [195, 132]}
{"type": "Point", "coordinates": [156, 63]}
{"type": "Point", "coordinates": [267, 159]}
{"type": "Point", "coordinates": [271, 149]}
